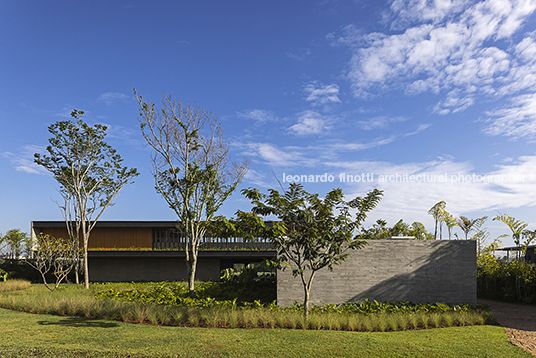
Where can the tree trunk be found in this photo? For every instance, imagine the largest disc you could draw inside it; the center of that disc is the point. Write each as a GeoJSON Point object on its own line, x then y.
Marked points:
{"type": "Point", "coordinates": [76, 269]}
{"type": "Point", "coordinates": [306, 304]}
{"type": "Point", "coordinates": [86, 271]}
{"type": "Point", "coordinates": [191, 265]}
{"type": "Point", "coordinates": [307, 291]}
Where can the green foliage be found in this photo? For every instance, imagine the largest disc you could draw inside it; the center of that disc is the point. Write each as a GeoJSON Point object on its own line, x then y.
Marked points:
{"type": "Point", "coordinates": [89, 171]}
{"type": "Point", "coordinates": [513, 281]}
{"type": "Point", "coordinates": [250, 272]}
{"type": "Point", "coordinates": [31, 335]}
{"type": "Point", "coordinates": [380, 230]}
{"type": "Point", "coordinates": [311, 233]}
{"type": "Point", "coordinates": [15, 243]}
{"type": "Point", "coordinates": [190, 167]}
{"type": "Point", "coordinates": [449, 220]}
{"type": "Point", "coordinates": [521, 236]}
{"type": "Point", "coordinates": [207, 294]}
{"type": "Point", "coordinates": [467, 225]}
{"type": "Point", "coordinates": [436, 212]}
{"type": "Point", "coordinates": [3, 274]}
{"type": "Point", "coordinates": [373, 307]}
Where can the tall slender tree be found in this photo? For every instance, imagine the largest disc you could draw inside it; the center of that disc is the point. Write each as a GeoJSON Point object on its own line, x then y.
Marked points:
{"type": "Point", "coordinates": [519, 232]}
{"type": "Point", "coordinates": [436, 212]}
{"type": "Point", "coordinates": [449, 220]}
{"type": "Point", "coordinates": [90, 174]}
{"type": "Point", "coordinates": [191, 167]}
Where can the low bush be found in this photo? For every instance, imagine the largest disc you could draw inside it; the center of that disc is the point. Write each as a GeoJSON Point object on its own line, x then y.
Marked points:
{"type": "Point", "coordinates": [73, 300]}
{"type": "Point", "coordinates": [14, 285]}
{"type": "Point", "coordinates": [207, 294]}
{"type": "Point", "coordinates": [513, 281]}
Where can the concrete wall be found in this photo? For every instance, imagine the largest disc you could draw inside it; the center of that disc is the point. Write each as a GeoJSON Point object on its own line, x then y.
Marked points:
{"type": "Point", "coordinates": [150, 269]}
{"type": "Point", "coordinates": [393, 270]}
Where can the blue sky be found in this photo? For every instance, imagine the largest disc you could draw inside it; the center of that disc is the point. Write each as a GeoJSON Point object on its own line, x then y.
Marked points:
{"type": "Point", "coordinates": [434, 100]}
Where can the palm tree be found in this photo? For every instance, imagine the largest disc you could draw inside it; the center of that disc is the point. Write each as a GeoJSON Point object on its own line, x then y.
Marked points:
{"type": "Point", "coordinates": [466, 225]}
{"type": "Point", "coordinates": [418, 230]}
{"type": "Point", "coordinates": [449, 220]}
{"type": "Point", "coordinates": [518, 230]}
{"type": "Point", "coordinates": [435, 211]}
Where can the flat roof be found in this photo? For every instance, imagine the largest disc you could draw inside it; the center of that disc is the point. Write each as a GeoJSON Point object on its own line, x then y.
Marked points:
{"type": "Point", "coordinates": [514, 248]}
{"type": "Point", "coordinates": [105, 223]}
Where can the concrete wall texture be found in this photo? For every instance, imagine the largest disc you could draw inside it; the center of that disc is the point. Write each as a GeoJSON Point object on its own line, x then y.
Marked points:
{"type": "Point", "coordinates": [393, 270]}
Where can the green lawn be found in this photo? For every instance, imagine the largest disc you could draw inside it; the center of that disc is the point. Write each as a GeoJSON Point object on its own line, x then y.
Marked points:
{"type": "Point", "coordinates": [25, 334]}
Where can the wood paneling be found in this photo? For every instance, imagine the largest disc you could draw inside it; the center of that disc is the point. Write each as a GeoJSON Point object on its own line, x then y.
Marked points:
{"type": "Point", "coordinates": [110, 238]}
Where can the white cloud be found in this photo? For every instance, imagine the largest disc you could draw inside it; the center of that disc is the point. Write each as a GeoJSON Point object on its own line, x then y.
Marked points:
{"type": "Point", "coordinates": [322, 94]}
{"type": "Point", "coordinates": [411, 11]}
{"type": "Point", "coordinates": [260, 116]}
{"type": "Point", "coordinates": [24, 161]}
{"type": "Point", "coordinates": [273, 156]}
{"type": "Point", "coordinates": [379, 122]}
{"type": "Point", "coordinates": [306, 156]}
{"type": "Point", "coordinates": [110, 97]}
{"type": "Point", "coordinates": [516, 120]}
{"type": "Point", "coordinates": [258, 179]}
{"type": "Point", "coordinates": [449, 46]}
{"type": "Point", "coordinates": [299, 55]}
{"type": "Point", "coordinates": [309, 122]}
{"type": "Point", "coordinates": [65, 112]}
{"type": "Point", "coordinates": [509, 186]}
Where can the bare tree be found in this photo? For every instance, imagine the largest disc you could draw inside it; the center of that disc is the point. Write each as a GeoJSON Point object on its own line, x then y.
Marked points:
{"type": "Point", "coordinates": [191, 167]}
{"type": "Point", "coordinates": [90, 174]}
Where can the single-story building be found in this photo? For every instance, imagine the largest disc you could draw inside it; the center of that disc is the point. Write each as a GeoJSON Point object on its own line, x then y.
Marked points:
{"type": "Point", "coordinates": [395, 269]}
{"type": "Point", "coordinates": [154, 251]}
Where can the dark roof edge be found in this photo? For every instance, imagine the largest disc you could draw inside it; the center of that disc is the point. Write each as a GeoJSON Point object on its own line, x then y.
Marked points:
{"type": "Point", "coordinates": [104, 223]}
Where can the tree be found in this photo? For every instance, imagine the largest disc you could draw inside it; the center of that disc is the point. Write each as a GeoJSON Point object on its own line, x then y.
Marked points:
{"type": "Point", "coordinates": [436, 212]}
{"type": "Point", "coordinates": [481, 237]}
{"type": "Point", "coordinates": [418, 230]}
{"type": "Point", "coordinates": [449, 220]}
{"type": "Point", "coordinates": [190, 167]}
{"type": "Point", "coordinates": [16, 243]}
{"type": "Point", "coordinates": [518, 229]}
{"type": "Point", "coordinates": [380, 230]}
{"type": "Point", "coordinates": [54, 254]}
{"type": "Point", "coordinates": [311, 233]}
{"type": "Point", "coordinates": [90, 174]}
{"type": "Point", "coordinates": [466, 225]}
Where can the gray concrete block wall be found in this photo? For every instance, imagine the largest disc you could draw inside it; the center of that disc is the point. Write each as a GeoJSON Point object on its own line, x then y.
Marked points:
{"type": "Point", "coordinates": [150, 269]}
{"type": "Point", "coordinates": [393, 270]}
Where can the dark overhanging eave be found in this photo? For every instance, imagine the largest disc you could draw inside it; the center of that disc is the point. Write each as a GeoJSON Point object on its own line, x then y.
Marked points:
{"type": "Point", "coordinates": [182, 254]}
{"type": "Point", "coordinates": [135, 224]}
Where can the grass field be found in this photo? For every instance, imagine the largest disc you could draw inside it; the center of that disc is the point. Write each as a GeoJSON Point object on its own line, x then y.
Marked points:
{"type": "Point", "coordinates": [41, 335]}
{"type": "Point", "coordinates": [26, 334]}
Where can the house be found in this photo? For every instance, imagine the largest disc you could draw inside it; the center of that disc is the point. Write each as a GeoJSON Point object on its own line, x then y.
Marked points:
{"type": "Point", "coordinates": [394, 269]}
{"type": "Point", "coordinates": [154, 251]}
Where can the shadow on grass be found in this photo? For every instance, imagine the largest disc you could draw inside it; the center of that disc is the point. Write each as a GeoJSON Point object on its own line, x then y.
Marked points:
{"type": "Point", "coordinates": [79, 322]}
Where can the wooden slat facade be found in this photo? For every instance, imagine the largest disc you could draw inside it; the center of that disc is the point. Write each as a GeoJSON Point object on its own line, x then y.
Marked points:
{"type": "Point", "coordinates": [145, 236]}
